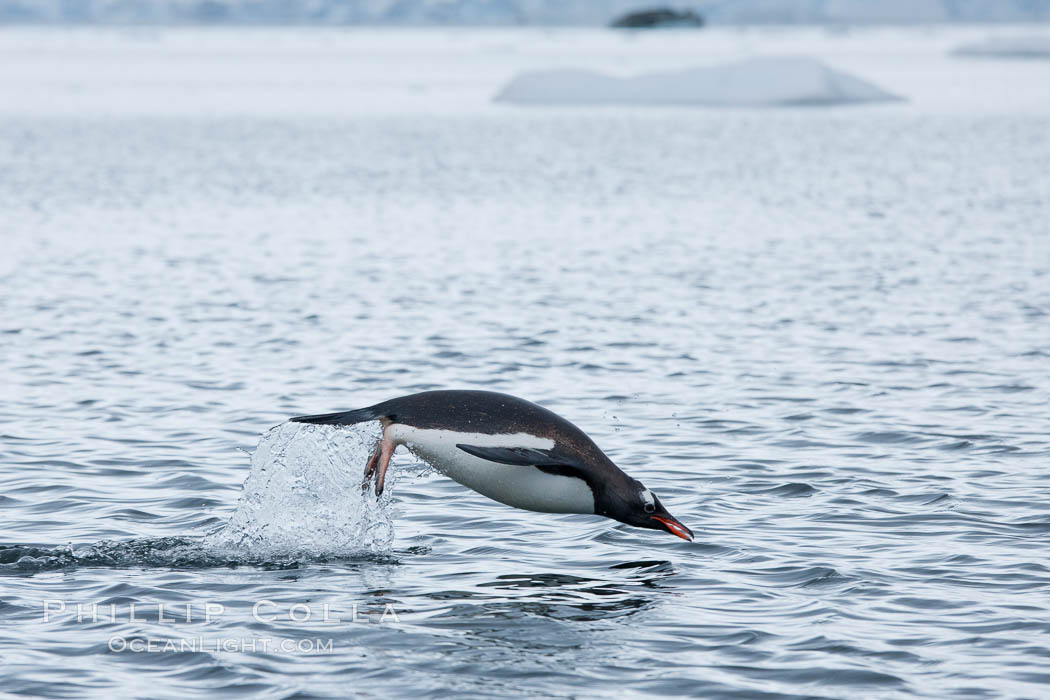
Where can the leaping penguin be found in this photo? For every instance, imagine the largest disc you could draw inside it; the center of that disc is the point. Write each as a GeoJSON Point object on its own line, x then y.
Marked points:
{"type": "Point", "coordinates": [510, 450]}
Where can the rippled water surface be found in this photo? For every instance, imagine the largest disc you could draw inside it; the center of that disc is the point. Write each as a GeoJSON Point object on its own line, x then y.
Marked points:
{"type": "Point", "coordinates": [822, 336]}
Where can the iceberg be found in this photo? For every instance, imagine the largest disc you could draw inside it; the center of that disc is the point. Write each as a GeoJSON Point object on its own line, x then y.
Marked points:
{"type": "Point", "coordinates": [1037, 46]}
{"type": "Point", "coordinates": [756, 82]}
{"type": "Point", "coordinates": [658, 17]}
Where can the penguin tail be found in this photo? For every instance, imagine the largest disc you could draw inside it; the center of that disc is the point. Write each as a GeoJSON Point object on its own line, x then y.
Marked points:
{"type": "Point", "coordinates": [359, 415]}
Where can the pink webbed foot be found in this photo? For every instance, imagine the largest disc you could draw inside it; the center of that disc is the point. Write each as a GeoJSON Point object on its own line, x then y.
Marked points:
{"type": "Point", "coordinates": [370, 468]}
{"type": "Point", "coordinates": [386, 451]}
{"type": "Point", "coordinates": [378, 464]}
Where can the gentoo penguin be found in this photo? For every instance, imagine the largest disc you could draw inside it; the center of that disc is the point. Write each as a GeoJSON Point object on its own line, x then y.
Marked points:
{"type": "Point", "coordinates": [510, 450]}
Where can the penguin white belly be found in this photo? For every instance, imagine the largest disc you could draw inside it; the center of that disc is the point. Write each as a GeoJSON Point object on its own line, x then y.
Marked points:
{"type": "Point", "coordinates": [519, 486]}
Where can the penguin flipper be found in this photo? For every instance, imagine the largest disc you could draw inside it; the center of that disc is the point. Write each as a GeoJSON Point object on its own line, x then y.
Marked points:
{"type": "Point", "coordinates": [519, 456]}
{"type": "Point", "coordinates": [544, 460]}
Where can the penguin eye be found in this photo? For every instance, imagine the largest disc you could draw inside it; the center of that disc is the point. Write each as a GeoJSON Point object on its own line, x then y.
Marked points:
{"type": "Point", "coordinates": [649, 507]}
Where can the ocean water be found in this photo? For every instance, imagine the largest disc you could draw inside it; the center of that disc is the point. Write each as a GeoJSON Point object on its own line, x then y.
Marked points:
{"type": "Point", "coordinates": [821, 336]}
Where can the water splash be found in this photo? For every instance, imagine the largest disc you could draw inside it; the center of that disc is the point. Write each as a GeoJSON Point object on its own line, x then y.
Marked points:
{"type": "Point", "coordinates": [302, 501]}
{"type": "Point", "coordinates": [304, 497]}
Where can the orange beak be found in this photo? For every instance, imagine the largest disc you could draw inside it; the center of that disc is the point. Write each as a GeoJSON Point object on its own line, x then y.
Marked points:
{"type": "Point", "coordinates": [674, 527]}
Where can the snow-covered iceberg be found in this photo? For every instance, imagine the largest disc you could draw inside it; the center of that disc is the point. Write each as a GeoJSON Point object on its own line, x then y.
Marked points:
{"type": "Point", "coordinates": [1037, 46]}
{"type": "Point", "coordinates": [512, 12]}
{"type": "Point", "coordinates": [756, 82]}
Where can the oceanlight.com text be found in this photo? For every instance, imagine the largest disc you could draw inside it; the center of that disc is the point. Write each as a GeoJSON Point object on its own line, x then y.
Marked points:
{"type": "Point", "coordinates": [264, 645]}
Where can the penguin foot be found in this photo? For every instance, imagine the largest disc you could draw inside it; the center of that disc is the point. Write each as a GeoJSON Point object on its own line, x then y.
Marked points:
{"type": "Point", "coordinates": [377, 464]}
{"type": "Point", "coordinates": [386, 451]}
{"type": "Point", "coordinates": [370, 468]}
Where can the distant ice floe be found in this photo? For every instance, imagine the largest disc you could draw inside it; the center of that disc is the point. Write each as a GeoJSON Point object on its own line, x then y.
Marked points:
{"type": "Point", "coordinates": [1008, 47]}
{"type": "Point", "coordinates": [756, 82]}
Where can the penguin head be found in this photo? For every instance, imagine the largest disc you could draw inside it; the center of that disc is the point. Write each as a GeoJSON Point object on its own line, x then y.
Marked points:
{"type": "Point", "coordinates": [638, 506]}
